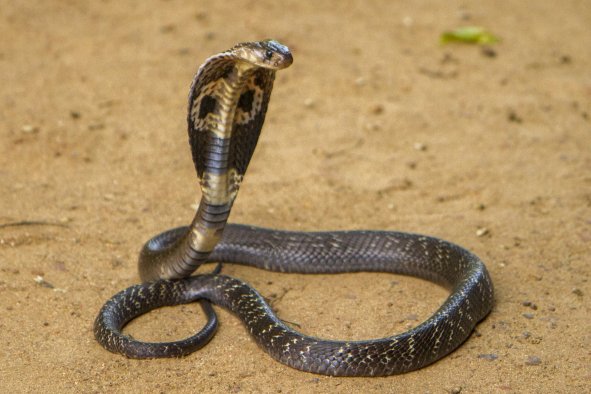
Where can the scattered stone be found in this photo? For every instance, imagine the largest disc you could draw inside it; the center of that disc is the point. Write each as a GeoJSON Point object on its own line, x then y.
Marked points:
{"type": "Point", "coordinates": [96, 126]}
{"type": "Point", "coordinates": [116, 263]}
{"type": "Point", "coordinates": [481, 207]}
{"type": "Point", "coordinates": [482, 231]}
{"type": "Point", "coordinates": [309, 103]}
{"type": "Point", "coordinates": [167, 28]}
{"type": "Point", "coordinates": [41, 282]}
{"type": "Point", "coordinates": [200, 16]}
{"type": "Point", "coordinates": [407, 21]}
{"type": "Point", "coordinates": [420, 146]}
{"type": "Point", "coordinates": [530, 305]}
{"type": "Point", "coordinates": [448, 58]}
{"type": "Point", "coordinates": [438, 74]}
{"type": "Point", "coordinates": [373, 126]}
{"type": "Point", "coordinates": [456, 390]}
{"type": "Point", "coordinates": [488, 52]}
{"type": "Point", "coordinates": [578, 292]}
{"type": "Point", "coordinates": [533, 360]}
{"type": "Point", "coordinates": [528, 315]}
{"type": "Point", "coordinates": [377, 109]}
{"type": "Point", "coordinates": [75, 115]}
{"type": "Point", "coordinates": [525, 334]}
{"type": "Point", "coordinates": [488, 356]}
{"type": "Point", "coordinates": [60, 266]}
{"type": "Point", "coordinates": [29, 129]}
{"type": "Point", "coordinates": [513, 117]}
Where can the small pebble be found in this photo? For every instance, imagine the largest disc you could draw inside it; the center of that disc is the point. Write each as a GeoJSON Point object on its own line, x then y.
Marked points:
{"type": "Point", "coordinates": [29, 129]}
{"type": "Point", "coordinates": [420, 146]}
{"type": "Point", "coordinates": [309, 103]}
{"type": "Point", "coordinates": [528, 315]}
{"type": "Point", "coordinates": [200, 16]}
{"type": "Point", "coordinates": [407, 21]}
{"type": "Point", "coordinates": [488, 52]}
{"type": "Point", "coordinates": [377, 109]}
{"type": "Point", "coordinates": [373, 127]}
{"type": "Point", "coordinates": [525, 334]}
{"type": "Point", "coordinates": [96, 126]}
{"type": "Point", "coordinates": [488, 356]}
{"type": "Point", "coordinates": [513, 117]}
{"type": "Point", "coordinates": [577, 291]}
{"type": "Point", "coordinates": [41, 281]}
{"type": "Point", "coordinates": [167, 28]}
{"type": "Point", "coordinates": [456, 390]}
{"type": "Point", "coordinates": [533, 360]}
{"type": "Point", "coordinates": [530, 304]}
{"type": "Point", "coordinates": [481, 232]}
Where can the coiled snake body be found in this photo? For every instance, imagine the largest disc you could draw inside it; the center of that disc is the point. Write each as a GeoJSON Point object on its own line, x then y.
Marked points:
{"type": "Point", "coordinates": [227, 105]}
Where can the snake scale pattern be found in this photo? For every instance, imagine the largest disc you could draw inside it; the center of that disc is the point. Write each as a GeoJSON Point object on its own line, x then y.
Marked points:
{"type": "Point", "coordinates": [227, 105]}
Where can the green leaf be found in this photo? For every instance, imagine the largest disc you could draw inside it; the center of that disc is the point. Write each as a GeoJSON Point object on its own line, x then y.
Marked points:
{"type": "Point", "coordinates": [469, 35]}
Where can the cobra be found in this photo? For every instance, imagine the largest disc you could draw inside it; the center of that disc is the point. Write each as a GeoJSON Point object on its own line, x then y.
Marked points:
{"type": "Point", "coordinates": [228, 101]}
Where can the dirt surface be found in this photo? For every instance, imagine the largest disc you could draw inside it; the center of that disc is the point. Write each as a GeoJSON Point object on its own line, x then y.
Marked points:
{"type": "Point", "coordinates": [376, 125]}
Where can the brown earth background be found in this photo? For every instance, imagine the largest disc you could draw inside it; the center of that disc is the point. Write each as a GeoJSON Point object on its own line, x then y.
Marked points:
{"type": "Point", "coordinates": [376, 126]}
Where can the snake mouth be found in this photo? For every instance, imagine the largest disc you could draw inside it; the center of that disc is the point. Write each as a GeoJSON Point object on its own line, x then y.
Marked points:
{"type": "Point", "coordinates": [275, 55]}
{"type": "Point", "coordinates": [285, 61]}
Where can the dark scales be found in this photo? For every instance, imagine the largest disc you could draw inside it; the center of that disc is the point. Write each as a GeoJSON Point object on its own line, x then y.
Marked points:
{"type": "Point", "coordinates": [207, 106]}
{"type": "Point", "coordinates": [246, 100]}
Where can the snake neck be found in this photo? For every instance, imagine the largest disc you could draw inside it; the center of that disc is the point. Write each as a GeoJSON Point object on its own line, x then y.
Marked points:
{"type": "Point", "coordinates": [228, 101]}
{"type": "Point", "coordinates": [212, 113]}
{"type": "Point", "coordinates": [219, 180]}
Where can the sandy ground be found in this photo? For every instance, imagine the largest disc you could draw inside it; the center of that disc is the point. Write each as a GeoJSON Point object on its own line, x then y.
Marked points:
{"type": "Point", "coordinates": [376, 126]}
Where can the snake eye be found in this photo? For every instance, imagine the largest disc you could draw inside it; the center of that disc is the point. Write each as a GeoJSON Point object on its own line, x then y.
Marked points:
{"type": "Point", "coordinates": [268, 54]}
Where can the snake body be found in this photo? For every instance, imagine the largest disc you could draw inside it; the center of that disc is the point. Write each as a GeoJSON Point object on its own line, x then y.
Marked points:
{"type": "Point", "coordinates": [227, 104]}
